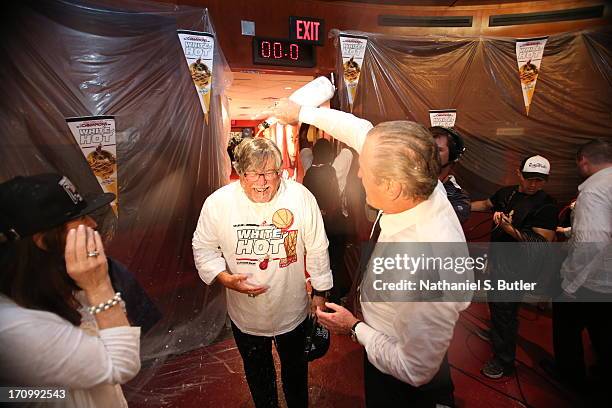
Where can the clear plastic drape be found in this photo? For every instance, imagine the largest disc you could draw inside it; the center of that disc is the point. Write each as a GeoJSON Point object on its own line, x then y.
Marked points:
{"type": "Point", "coordinates": [405, 77]}
{"type": "Point", "coordinates": [62, 59]}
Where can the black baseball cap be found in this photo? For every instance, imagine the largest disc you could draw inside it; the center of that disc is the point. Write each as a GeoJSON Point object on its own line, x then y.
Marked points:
{"type": "Point", "coordinates": [37, 203]}
{"type": "Point", "coordinates": [317, 339]}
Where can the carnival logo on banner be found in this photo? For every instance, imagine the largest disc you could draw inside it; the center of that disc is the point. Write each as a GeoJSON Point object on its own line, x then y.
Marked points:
{"type": "Point", "coordinates": [199, 48]}
{"type": "Point", "coordinates": [352, 49]}
{"type": "Point", "coordinates": [529, 54]}
{"type": "Point", "coordinates": [95, 135]}
{"type": "Point", "coordinates": [443, 117]}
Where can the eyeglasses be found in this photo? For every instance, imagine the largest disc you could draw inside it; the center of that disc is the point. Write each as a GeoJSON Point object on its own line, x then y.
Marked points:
{"type": "Point", "coordinates": [254, 176]}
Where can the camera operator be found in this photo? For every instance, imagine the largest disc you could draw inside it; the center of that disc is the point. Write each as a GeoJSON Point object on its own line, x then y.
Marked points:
{"type": "Point", "coordinates": [522, 213]}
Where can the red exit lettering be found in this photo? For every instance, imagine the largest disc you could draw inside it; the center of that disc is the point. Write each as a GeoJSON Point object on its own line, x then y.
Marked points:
{"type": "Point", "coordinates": [307, 30]}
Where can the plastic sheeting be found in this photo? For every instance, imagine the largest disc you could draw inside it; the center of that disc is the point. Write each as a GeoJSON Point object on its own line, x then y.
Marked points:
{"type": "Point", "coordinates": [64, 59]}
{"type": "Point", "coordinates": [405, 77]}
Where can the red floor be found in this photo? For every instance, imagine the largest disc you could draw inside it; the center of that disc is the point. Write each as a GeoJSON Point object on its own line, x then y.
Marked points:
{"type": "Point", "coordinates": [213, 376]}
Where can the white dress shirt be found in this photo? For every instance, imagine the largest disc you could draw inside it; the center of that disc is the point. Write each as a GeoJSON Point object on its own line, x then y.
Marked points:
{"type": "Point", "coordinates": [236, 235]}
{"type": "Point", "coordinates": [407, 340]}
{"type": "Point", "coordinates": [342, 165]}
{"type": "Point", "coordinates": [589, 261]}
{"type": "Point", "coordinates": [40, 349]}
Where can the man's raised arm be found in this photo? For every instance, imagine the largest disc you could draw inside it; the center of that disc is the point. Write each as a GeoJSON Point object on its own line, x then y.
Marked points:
{"type": "Point", "coordinates": [341, 125]}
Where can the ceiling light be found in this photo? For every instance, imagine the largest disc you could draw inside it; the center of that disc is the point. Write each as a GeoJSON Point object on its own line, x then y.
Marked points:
{"type": "Point", "coordinates": [288, 87]}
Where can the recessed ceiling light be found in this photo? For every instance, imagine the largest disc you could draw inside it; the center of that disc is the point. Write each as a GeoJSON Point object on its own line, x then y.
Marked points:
{"type": "Point", "coordinates": [288, 87]}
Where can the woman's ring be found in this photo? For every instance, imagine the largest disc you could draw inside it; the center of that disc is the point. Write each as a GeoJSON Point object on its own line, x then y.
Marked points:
{"type": "Point", "coordinates": [251, 295]}
{"type": "Point", "coordinates": [93, 253]}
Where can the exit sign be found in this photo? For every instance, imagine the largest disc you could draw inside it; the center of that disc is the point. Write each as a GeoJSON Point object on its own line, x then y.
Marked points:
{"type": "Point", "coordinates": [307, 30]}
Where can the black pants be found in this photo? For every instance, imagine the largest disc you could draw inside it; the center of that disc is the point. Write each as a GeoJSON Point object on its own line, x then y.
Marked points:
{"type": "Point", "coordinates": [383, 390]}
{"type": "Point", "coordinates": [335, 227]}
{"type": "Point", "coordinates": [256, 352]}
{"type": "Point", "coordinates": [342, 280]}
{"type": "Point", "coordinates": [569, 320]}
{"type": "Point", "coordinates": [504, 331]}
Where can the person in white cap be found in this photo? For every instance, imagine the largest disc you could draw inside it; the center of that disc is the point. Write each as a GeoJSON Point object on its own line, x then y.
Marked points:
{"type": "Point", "coordinates": [522, 213]}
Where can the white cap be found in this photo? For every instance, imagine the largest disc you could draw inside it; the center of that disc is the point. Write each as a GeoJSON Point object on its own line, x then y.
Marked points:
{"type": "Point", "coordinates": [536, 166]}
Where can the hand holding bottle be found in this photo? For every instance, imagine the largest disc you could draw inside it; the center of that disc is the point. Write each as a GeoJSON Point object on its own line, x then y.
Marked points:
{"type": "Point", "coordinates": [287, 111]}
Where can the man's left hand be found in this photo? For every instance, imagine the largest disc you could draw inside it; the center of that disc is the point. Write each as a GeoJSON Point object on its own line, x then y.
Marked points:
{"type": "Point", "coordinates": [339, 321]}
{"type": "Point", "coordinates": [506, 219]}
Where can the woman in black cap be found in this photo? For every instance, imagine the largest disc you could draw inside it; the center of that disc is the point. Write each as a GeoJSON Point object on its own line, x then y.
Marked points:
{"type": "Point", "coordinates": [61, 322]}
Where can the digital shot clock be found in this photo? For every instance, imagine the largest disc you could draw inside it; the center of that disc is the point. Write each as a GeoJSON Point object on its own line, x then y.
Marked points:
{"type": "Point", "coordinates": [283, 52]}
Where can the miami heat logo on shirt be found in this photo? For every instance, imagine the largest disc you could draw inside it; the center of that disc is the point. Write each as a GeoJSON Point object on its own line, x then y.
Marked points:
{"type": "Point", "coordinates": [266, 240]}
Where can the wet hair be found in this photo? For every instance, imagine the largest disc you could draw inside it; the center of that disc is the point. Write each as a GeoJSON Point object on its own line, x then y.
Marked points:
{"type": "Point", "coordinates": [596, 151]}
{"type": "Point", "coordinates": [254, 153]}
{"type": "Point", "coordinates": [36, 278]}
{"type": "Point", "coordinates": [406, 153]}
{"type": "Point", "coordinates": [231, 146]}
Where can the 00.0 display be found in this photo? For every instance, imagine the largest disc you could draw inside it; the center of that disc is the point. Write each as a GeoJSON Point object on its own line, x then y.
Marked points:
{"type": "Point", "coordinates": [274, 51]}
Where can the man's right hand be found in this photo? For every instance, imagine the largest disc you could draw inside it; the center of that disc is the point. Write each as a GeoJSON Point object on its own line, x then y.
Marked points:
{"type": "Point", "coordinates": [286, 111]}
{"type": "Point", "coordinates": [238, 283]}
{"type": "Point", "coordinates": [497, 217]}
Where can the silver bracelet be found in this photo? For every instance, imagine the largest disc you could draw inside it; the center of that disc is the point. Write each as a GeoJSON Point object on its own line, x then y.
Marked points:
{"type": "Point", "coordinates": [115, 300]}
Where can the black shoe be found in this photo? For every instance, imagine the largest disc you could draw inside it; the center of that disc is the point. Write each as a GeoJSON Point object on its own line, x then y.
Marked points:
{"type": "Point", "coordinates": [495, 370]}
{"type": "Point", "coordinates": [484, 334]}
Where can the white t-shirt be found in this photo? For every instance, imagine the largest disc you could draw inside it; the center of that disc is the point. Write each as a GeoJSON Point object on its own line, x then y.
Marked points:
{"type": "Point", "coordinates": [235, 231]}
{"type": "Point", "coordinates": [39, 348]}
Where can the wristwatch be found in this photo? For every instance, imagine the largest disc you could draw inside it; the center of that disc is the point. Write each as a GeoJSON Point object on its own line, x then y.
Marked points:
{"type": "Point", "coordinates": [322, 293]}
{"type": "Point", "coordinates": [353, 332]}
